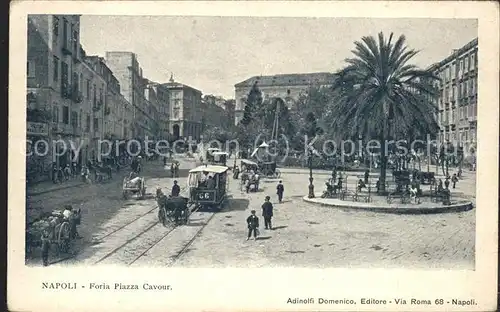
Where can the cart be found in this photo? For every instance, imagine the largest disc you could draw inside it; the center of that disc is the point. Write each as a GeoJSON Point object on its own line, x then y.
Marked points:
{"type": "Point", "coordinates": [269, 170]}
{"type": "Point", "coordinates": [129, 188]}
{"type": "Point", "coordinates": [56, 230]}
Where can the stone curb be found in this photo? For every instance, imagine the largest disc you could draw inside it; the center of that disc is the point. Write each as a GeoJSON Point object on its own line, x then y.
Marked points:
{"type": "Point", "coordinates": [461, 206]}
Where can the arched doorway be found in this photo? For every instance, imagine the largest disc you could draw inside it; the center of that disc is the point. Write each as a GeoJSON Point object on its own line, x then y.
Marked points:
{"type": "Point", "coordinates": [176, 131]}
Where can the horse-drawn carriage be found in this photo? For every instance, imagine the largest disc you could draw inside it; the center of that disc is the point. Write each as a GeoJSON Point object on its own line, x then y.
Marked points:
{"type": "Point", "coordinates": [52, 229]}
{"type": "Point", "coordinates": [269, 169]}
{"type": "Point", "coordinates": [134, 185]}
{"type": "Point", "coordinates": [208, 186]}
{"type": "Point", "coordinates": [209, 154]}
{"type": "Point", "coordinates": [172, 209]}
{"type": "Point", "coordinates": [248, 165]}
{"type": "Point", "coordinates": [250, 177]}
{"type": "Point", "coordinates": [219, 158]}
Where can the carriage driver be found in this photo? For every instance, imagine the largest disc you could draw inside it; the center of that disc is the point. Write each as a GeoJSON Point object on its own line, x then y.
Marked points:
{"type": "Point", "coordinates": [176, 189]}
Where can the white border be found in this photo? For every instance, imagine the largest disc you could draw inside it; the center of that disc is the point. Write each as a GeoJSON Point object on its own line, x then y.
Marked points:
{"type": "Point", "coordinates": [240, 289]}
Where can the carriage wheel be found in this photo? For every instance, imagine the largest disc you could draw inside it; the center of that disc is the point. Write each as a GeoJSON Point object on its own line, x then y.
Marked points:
{"type": "Point", "coordinates": [63, 238]}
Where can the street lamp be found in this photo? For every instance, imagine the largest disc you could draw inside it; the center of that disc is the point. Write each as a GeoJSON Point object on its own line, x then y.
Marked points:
{"type": "Point", "coordinates": [311, 179]}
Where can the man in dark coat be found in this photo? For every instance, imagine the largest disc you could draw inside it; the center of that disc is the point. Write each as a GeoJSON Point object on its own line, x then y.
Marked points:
{"type": "Point", "coordinates": [267, 213]}
{"type": "Point", "coordinates": [176, 189]}
{"type": "Point", "coordinates": [280, 189]}
{"type": "Point", "coordinates": [135, 164]}
{"type": "Point", "coordinates": [253, 225]}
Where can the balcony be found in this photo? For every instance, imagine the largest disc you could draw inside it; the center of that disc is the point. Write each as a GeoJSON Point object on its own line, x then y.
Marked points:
{"type": "Point", "coordinates": [61, 128]}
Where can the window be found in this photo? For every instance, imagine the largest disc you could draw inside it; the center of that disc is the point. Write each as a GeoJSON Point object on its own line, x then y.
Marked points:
{"type": "Point", "coordinates": [447, 135]}
{"type": "Point", "coordinates": [64, 77]}
{"type": "Point", "coordinates": [447, 94]}
{"type": "Point", "coordinates": [56, 68]}
{"type": "Point", "coordinates": [87, 123]}
{"type": "Point", "coordinates": [74, 119]}
{"type": "Point", "coordinates": [472, 60]}
{"type": "Point", "coordinates": [30, 69]}
{"type": "Point", "coordinates": [453, 116]}
{"type": "Point", "coordinates": [466, 134]}
{"type": "Point", "coordinates": [75, 40]}
{"type": "Point", "coordinates": [94, 98]}
{"type": "Point", "coordinates": [453, 93]}
{"type": "Point", "coordinates": [88, 88]}
{"type": "Point", "coordinates": [55, 114]}
{"type": "Point", "coordinates": [75, 84]}
{"type": "Point", "coordinates": [65, 116]}
{"type": "Point", "coordinates": [461, 113]}
{"type": "Point", "coordinates": [461, 66]}
{"type": "Point", "coordinates": [55, 26]}
{"type": "Point", "coordinates": [466, 64]}
{"type": "Point", "coordinates": [65, 33]}
{"type": "Point", "coordinates": [96, 124]}
{"type": "Point", "coordinates": [449, 73]}
{"type": "Point", "coordinates": [471, 85]}
{"type": "Point", "coordinates": [453, 66]}
{"type": "Point", "coordinates": [81, 83]}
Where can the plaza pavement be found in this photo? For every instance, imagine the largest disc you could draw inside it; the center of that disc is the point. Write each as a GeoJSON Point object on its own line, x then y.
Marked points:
{"type": "Point", "coordinates": [308, 235]}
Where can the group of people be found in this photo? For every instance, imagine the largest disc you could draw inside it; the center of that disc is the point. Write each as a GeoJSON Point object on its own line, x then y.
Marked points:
{"type": "Point", "coordinates": [207, 180]}
{"type": "Point", "coordinates": [70, 215]}
{"type": "Point", "coordinates": [267, 214]}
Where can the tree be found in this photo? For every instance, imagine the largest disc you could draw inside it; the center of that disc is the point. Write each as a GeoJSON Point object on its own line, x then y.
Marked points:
{"type": "Point", "coordinates": [216, 133]}
{"type": "Point", "coordinates": [378, 89]}
{"type": "Point", "coordinates": [252, 104]}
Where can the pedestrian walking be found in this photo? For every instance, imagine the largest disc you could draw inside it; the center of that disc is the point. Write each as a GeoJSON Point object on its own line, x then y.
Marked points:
{"type": "Point", "coordinates": [454, 180]}
{"type": "Point", "coordinates": [267, 213]}
{"type": "Point", "coordinates": [280, 189]}
{"type": "Point", "coordinates": [253, 225]}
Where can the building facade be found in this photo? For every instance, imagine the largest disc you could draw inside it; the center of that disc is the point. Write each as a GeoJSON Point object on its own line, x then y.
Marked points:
{"type": "Point", "coordinates": [457, 103]}
{"type": "Point", "coordinates": [127, 70]}
{"type": "Point", "coordinates": [114, 101]}
{"type": "Point", "coordinates": [185, 110]}
{"type": "Point", "coordinates": [92, 110]}
{"type": "Point", "coordinates": [54, 93]}
{"type": "Point", "coordinates": [162, 109]}
{"type": "Point", "coordinates": [287, 87]}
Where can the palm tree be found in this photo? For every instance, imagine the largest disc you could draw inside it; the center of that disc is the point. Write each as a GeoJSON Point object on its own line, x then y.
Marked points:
{"type": "Point", "coordinates": [379, 91]}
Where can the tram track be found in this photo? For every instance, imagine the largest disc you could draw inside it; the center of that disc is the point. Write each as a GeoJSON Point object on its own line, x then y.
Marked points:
{"type": "Point", "coordinates": [190, 242]}
{"type": "Point", "coordinates": [135, 237]}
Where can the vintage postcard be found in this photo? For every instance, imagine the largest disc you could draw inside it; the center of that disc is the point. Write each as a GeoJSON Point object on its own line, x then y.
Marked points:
{"type": "Point", "coordinates": [253, 156]}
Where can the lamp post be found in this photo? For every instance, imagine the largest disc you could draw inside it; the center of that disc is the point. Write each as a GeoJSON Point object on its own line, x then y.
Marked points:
{"type": "Point", "coordinates": [311, 179]}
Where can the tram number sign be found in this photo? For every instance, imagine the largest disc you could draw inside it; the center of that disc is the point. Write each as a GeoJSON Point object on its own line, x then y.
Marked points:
{"type": "Point", "coordinates": [206, 195]}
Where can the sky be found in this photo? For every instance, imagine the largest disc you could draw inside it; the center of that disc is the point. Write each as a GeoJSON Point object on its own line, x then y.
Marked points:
{"type": "Point", "coordinates": [212, 54]}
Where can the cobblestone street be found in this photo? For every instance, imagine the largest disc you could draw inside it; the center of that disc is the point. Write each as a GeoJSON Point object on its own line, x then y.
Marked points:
{"type": "Point", "coordinates": [305, 235]}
